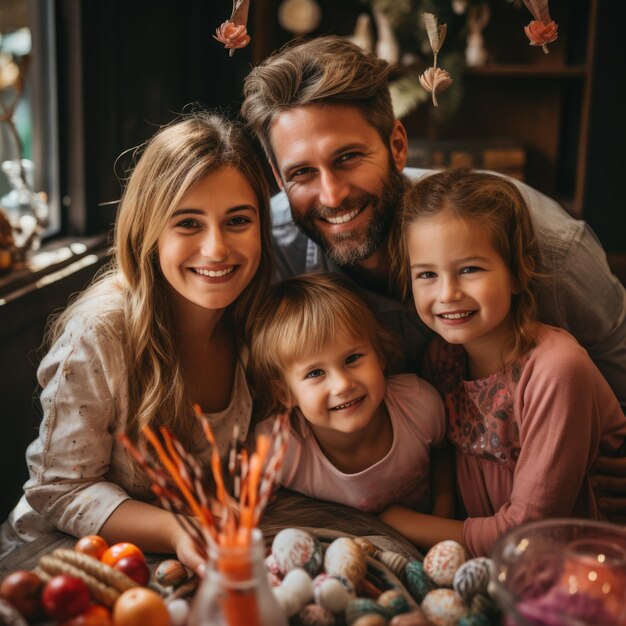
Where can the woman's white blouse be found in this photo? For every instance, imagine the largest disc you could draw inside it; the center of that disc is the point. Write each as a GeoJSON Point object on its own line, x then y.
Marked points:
{"type": "Point", "coordinates": [79, 472]}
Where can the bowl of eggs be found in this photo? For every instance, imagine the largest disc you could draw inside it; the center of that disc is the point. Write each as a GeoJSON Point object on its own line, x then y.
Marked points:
{"type": "Point", "coordinates": [561, 572]}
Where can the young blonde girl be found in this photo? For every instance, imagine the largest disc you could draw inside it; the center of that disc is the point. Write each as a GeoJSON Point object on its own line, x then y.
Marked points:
{"type": "Point", "coordinates": [161, 329]}
{"type": "Point", "coordinates": [527, 410]}
{"type": "Point", "coordinates": [358, 438]}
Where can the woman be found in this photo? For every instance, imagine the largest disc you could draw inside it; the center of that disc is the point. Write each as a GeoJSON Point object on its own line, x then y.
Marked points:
{"type": "Point", "coordinates": [161, 329]}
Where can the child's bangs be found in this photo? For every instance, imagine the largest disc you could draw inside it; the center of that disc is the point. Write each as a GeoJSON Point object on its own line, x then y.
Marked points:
{"type": "Point", "coordinates": [312, 329]}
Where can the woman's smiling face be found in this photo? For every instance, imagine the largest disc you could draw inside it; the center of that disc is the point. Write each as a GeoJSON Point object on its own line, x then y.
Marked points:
{"type": "Point", "coordinates": [210, 248]}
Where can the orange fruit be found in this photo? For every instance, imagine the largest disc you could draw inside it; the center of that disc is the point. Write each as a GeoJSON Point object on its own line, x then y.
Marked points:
{"type": "Point", "coordinates": [93, 545]}
{"type": "Point", "coordinates": [120, 550]}
{"type": "Point", "coordinates": [94, 615]}
{"type": "Point", "coordinates": [140, 606]}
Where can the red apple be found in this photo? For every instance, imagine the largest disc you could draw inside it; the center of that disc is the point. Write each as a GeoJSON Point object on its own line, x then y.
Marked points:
{"type": "Point", "coordinates": [95, 615]}
{"type": "Point", "coordinates": [134, 567]}
{"type": "Point", "coordinates": [64, 597]}
{"type": "Point", "coordinates": [23, 590]}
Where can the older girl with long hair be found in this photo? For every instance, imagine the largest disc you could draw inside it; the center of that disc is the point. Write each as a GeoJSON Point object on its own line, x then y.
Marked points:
{"type": "Point", "coordinates": [163, 328]}
{"type": "Point", "coordinates": [527, 410]}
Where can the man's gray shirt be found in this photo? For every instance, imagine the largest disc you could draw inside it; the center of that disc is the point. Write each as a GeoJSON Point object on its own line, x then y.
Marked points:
{"type": "Point", "coordinates": [579, 294]}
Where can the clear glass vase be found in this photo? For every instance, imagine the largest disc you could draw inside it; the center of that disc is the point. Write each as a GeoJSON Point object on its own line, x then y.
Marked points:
{"type": "Point", "coordinates": [236, 590]}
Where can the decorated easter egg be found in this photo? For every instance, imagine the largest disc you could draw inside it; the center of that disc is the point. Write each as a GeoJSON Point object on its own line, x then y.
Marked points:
{"type": "Point", "coordinates": [315, 615]}
{"type": "Point", "coordinates": [299, 584]}
{"type": "Point", "coordinates": [443, 607]}
{"type": "Point", "coordinates": [472, 577]}
{"type": "Point", "coordinates": [370, 619]}
{"type": "Point", "coordinates": [394, 561]}
{"type": "Point", "coordinates": [288, 603]}
{"type": "Point", "coordinates": [293, 548]}
{"type": "Point", "coordinates": [364, 606]}
{"type": "Point", "coordinates": [344, 558]}
{"type": "Point", "coordinates": [485, 604]}
{"type": "Point", "coordinates": [366, 545]}
{"type": "Point", "coordinates": [442, 561]}
{"type": "Point", "coordinates": [476, 619]}
{"type": "Point", "coordinates": [170, 573]}
{"type": "Point", "coordinates": [333, 592]}
{"type": "Point", "coordinates": [272, 565]}
{"type": "Point", "coordinates": [179, 611]}
{"type": "Point", "coordinates": [394, 601]}
{"type": "Point", "coordinates": [415, 617]}
{"type": "Point", "coordinates": [416, 580]}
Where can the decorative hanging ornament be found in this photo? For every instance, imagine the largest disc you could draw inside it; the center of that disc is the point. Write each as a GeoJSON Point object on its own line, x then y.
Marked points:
{"type": "Point", "coordinates": [435, 80]}
{"type": "Point", "coordinates": [299, 17]}
{"type": "Point", "coordinates": [233, 33]}
{"type": "Point", "coordinates": [542, 30]}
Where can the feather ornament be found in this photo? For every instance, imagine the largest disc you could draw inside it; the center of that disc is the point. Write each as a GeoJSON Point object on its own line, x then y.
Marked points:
{"type": "Point", "coordinates": [233, 32]}
{"type": "Point", "coordinates": [543, 29]}
{"type": "Point", "coordinates": [434, 79]}
{"type": "Point", "coordinates": [436, 32]}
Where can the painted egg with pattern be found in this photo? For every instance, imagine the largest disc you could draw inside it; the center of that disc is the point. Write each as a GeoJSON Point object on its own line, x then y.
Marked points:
{"type": "Point", "coordinates": [485, 604]}
{"type": "Point", "coordinates": [443, 607]}
{"type": "Point", "coordinates": [442, 561]}
{"type": "Point", "coordinates": [370, 619]}
{"type": "Point", "coordinates": [393, 600]}
{"type": "Point", "coordinates": [170, 573]}
{"type": "Point", "coordinates": [415, 617]}
{"type": "Point", "coordinates": [293, 548]}
{"type": "Point", "coordinates": [472, 577]}
{"type": "Point", "coordinates": [416, 580]}
{"type": "Point", "coordinates": [475, 619]}
{"type": "Point", "coordinates": [345, 558]}
{"type": "Point", "coordinates": [395, 562]}
{"type": "Point", "coordinates": [272, 566]}
{"type": "Point", "coordinates": [333, 592]}
{"type": "Point", "coordinates": [298, 584]}
{"type": "Point", "coordinates": [366, 545]}
{"type": "Point", "coordinates": [315, 615]}
{"type": "Point", "coordinates": [289, 604]}
{"type": "Point", "coordinates": [364, 606]}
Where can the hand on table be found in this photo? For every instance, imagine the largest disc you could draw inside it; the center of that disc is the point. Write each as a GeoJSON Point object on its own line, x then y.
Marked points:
{"type": "Point", "coordinates": [609, 484]}
{"type": "Point", "coordinates": [188, 554]}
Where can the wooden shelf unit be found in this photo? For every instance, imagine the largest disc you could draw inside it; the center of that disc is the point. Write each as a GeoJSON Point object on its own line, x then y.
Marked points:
{"type": "Point", "coordinates": [523, 95]}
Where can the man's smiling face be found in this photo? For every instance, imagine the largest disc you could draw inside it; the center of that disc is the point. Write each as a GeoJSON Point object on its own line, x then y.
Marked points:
{"type": "Point", "coordinates": [341, 179]}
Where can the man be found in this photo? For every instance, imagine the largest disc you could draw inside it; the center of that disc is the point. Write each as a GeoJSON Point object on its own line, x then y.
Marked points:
{"type": "Point", "coordinates": [322, 112]}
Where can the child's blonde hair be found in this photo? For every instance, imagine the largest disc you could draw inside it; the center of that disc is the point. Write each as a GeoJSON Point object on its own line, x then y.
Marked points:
{"type": "Point", "coordinates": [496, 205]}
{"type": "Point", "coordinates": [302, 316]}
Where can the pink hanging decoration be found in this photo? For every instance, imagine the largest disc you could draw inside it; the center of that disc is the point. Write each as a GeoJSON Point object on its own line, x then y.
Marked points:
{"type": "Point", "coordinates": [542, 30]}
{"type": "Point", "coordinates": [233, 33]}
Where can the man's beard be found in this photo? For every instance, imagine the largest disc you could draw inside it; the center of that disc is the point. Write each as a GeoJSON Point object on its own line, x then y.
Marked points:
{"type": "Point", "coordinates": [347, 249]}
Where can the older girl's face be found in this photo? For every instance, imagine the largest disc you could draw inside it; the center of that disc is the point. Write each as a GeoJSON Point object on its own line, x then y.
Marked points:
{"type": "Point", "coordinates": [462, 288]}
{"type": "Point", "coordinates": [210, 248]}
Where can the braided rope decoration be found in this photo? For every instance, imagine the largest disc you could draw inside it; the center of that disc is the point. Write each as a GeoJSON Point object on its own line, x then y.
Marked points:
{"type": "Point", "coordinates": [104, 582]}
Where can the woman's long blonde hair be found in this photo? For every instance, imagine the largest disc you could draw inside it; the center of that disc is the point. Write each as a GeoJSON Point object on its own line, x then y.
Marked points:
{"type": "Point", "coordinates": [175, 159]}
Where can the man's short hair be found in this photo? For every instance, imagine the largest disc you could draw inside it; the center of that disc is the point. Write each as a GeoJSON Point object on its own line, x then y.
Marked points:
{"type": "Point", "coordinates": [326, 70]}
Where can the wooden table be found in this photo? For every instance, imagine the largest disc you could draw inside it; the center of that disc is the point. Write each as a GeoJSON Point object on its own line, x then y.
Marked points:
{"type": "Point", "coordinates": [289, 509]}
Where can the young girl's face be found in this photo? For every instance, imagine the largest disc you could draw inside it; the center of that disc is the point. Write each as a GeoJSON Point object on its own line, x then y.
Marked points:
{"type": "Point", "coordinates": [211, 247]}
{"type": "Point", "coordinates": [339, 388]}
{"type": "Point", "coordinates": [462, 287]}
